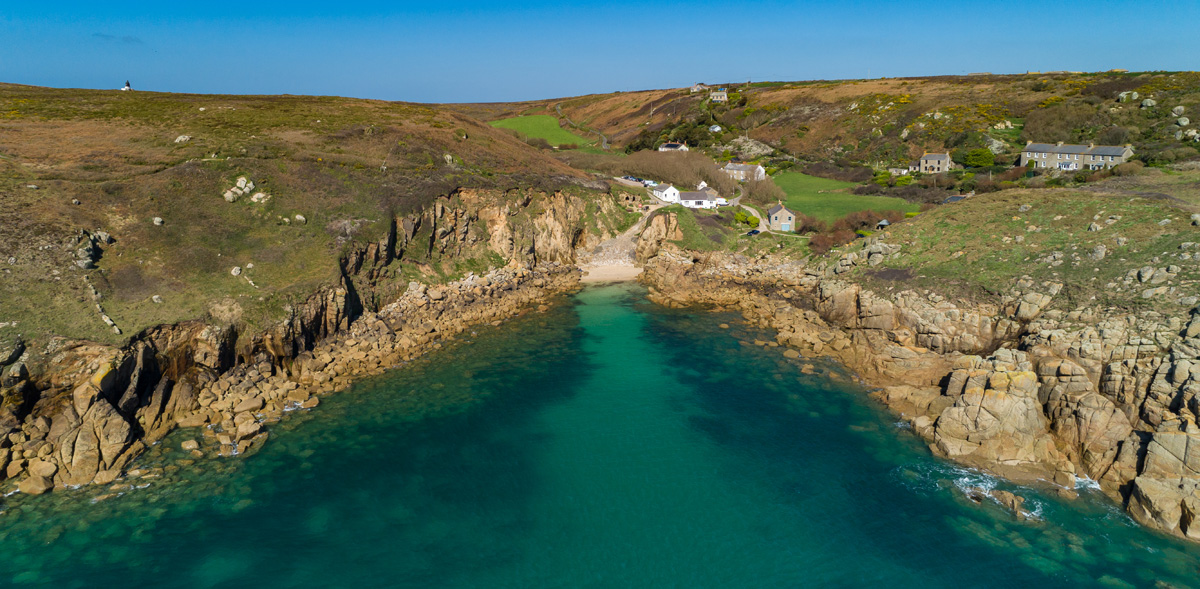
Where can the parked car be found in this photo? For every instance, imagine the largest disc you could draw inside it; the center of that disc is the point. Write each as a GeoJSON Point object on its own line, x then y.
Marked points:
{"type": "Point", "coordinates": [752, 232]}
{"type": "Point", "coordinates": [650, 183]}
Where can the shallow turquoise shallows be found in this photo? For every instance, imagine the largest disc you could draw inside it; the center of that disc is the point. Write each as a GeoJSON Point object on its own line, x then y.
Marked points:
{"type": "Point", "coordinates": [606, 443]}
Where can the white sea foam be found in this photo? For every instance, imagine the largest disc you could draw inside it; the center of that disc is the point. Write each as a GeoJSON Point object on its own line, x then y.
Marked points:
{"type": "Point", "coordinates": [1083, 482]}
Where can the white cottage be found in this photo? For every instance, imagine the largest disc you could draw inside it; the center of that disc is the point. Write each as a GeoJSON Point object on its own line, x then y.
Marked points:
{"type": "Point", "coordinates": [698, 200]}
{"type": "Point", "coordinates": [666, 192]}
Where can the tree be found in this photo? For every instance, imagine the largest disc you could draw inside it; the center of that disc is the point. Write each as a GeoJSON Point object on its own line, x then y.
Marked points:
{"type": "Point", "coordinates": [980, 158]}
{"type": "Point", "coordinates": [746, 219]}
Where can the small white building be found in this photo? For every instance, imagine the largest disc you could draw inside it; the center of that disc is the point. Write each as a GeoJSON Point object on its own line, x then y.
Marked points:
{"type": "Point", "coordinates": [673, 146]}
{"type": "Point", "coordinates": [698, 88]}
{"type": "Point", "coordinates": [666, 193]}
{"type": "Point", "coordinates": [698, 200]}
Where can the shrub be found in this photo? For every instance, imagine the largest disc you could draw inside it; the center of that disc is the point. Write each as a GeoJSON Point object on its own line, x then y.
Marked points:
{"type": "Point", "coordinates": [980, 158]}
{"type": "Point", "coordinates": [904, 181]}
{"type": "Point", "coordinates": [1128, 168]}
{"type": "Point", "coordinates": [1113, 136]}
{"type": "Point", "coordinates": [745, 218]}
{"type": "Point", "coordinates": [807, 224]}
{"type": "Point", "coordinates": [820, 244]}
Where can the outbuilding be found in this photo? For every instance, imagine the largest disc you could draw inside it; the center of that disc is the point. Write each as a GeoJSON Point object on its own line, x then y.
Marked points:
{"type": "Point", "coordinates": [779, 218]}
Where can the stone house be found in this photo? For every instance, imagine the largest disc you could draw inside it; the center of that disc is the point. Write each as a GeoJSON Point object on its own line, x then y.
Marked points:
{"type": "Point", "coordinates": [932, 163]}
{"type": "Point", "coordinates": [719, 95]}
{"type": "Point", "coordinates": [743, 172]}
{"type": "Point", "coordinates": [698, 88]}
{"type": "Point", "coordinates": [673, 146]}
{"type": "Point", "coordinates": [779, 218]}
{"type": "Point", "coordinates": [1074, 157]}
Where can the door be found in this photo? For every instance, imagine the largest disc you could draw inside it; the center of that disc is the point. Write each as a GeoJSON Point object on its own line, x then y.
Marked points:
{"type": "Point", "coordinates": [785, 227]}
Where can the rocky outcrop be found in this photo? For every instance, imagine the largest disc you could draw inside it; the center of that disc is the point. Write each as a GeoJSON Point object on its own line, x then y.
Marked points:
{"type": "Point", "coordinates": [1016, 387]}
{"type": "Point", "coordinates": [661, 228]}
{"type": "Point", "coordinates": [76, 413]}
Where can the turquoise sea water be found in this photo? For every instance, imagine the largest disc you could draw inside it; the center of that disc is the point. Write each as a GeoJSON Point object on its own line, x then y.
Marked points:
{"type": "Point", "coordinates": [606, 443]}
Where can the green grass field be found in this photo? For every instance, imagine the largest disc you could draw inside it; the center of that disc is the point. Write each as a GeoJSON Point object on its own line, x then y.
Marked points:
{"type": "Point", "coordinates": [541, 127]}
{"type": "Point", "coordinates": [830, 200]}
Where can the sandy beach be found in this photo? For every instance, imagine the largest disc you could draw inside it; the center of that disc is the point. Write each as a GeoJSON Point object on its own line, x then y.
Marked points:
{"type": "Point", "coordinates": [610, 273]}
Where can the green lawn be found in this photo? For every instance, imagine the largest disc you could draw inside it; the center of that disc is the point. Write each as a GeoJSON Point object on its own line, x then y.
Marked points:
{"type": "Point", "coordinates": [541, 126]}
{"type": "Point", "coordinates": [830, 200]}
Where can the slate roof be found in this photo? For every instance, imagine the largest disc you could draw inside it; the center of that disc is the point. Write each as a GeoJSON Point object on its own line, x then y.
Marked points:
{"type": "Point", "coordinates": [696, 196]}
{"type": "Point", "coordinates": [936, 156]}
{"type": "Point", "coordinates": [662, 188]}
{"type": "Point", "coordinates": [742, 167]}
{"type": "Point", "coordinates": [775, 209]}
{"type": "Point", "coordinates": [1076, 149]}
{"type": "Point", "coordinates": [672, 145]}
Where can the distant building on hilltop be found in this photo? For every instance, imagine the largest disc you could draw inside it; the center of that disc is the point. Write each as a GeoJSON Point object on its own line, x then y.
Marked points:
{"type": "Point", "coordinates": [719, 95]}
{"type": "Point", "coordinates": [932, 163]}
{"type": "Point", "coordinates": [742, 172]}
{"type": "Point", "coordinates": [673, 146]}
{"type": "Point", "coordinates": [779, 218]}
{"type": "Point", "coordinates": [698, 88]}
{"type": "Point", "coordinates": [1074, 157]}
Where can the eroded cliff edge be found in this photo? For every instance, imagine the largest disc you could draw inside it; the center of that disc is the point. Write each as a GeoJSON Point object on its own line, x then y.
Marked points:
{"type": "Point", "coordinates": [77, 412]}
{"type": "Point", "coordinates": [1017, 387]}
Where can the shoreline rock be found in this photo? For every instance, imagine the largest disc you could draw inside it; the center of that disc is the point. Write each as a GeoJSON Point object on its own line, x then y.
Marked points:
{"type": "Point", "coordinates": [90, 409]}
{"type": "Point", "coordinates": [1027, 393]}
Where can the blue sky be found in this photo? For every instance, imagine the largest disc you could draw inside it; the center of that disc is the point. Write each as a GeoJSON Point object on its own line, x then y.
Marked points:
{"type": "Point", "coordinates": [479, 51]}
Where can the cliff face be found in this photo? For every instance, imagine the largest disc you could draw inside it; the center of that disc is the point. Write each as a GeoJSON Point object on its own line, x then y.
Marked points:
{"type": "Point", "coordinates": [1014, 388]}
{"type": "Point", "coordinates": [77, 412]}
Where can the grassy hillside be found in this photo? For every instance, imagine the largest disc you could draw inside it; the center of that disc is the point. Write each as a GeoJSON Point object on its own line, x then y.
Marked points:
{"type": "Point", "coordinates": [890, 121]}
{"type": "Point", "coordinates": [336, 171]}
{"type": "Point", "coordinates": [830, 200]}
{"type": "Point", "coordinates": [541, 127]}
{"type": "Point", "coordinates": [1089, 239]}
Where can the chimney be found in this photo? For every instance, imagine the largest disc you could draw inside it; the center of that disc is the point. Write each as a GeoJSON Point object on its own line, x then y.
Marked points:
{"type": "Point", "coordinates": [1060, 143]}
{"type": "Point", "coordinates": [1028, 142]}
{"type": "Point", "coordinates": [1128, 146]}
{"type": "Point", "coordinates": [1091, 145]}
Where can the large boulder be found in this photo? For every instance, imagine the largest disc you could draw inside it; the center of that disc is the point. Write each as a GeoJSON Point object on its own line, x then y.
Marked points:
{"type": "Point", "coordinates": [1171, 505]}
{"type": "Point", "coordinates": [35, 485]}
{"type": "Point", "coordinates": [996, 421]}
{"type": "Point", "coordinates": [1089, 427]}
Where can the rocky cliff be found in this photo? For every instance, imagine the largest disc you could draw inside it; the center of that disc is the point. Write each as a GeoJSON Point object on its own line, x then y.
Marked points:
{"type": "Point", "coordinates": [1015, 386]}
{"type": "Point", "coordinates": [76, 412]}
